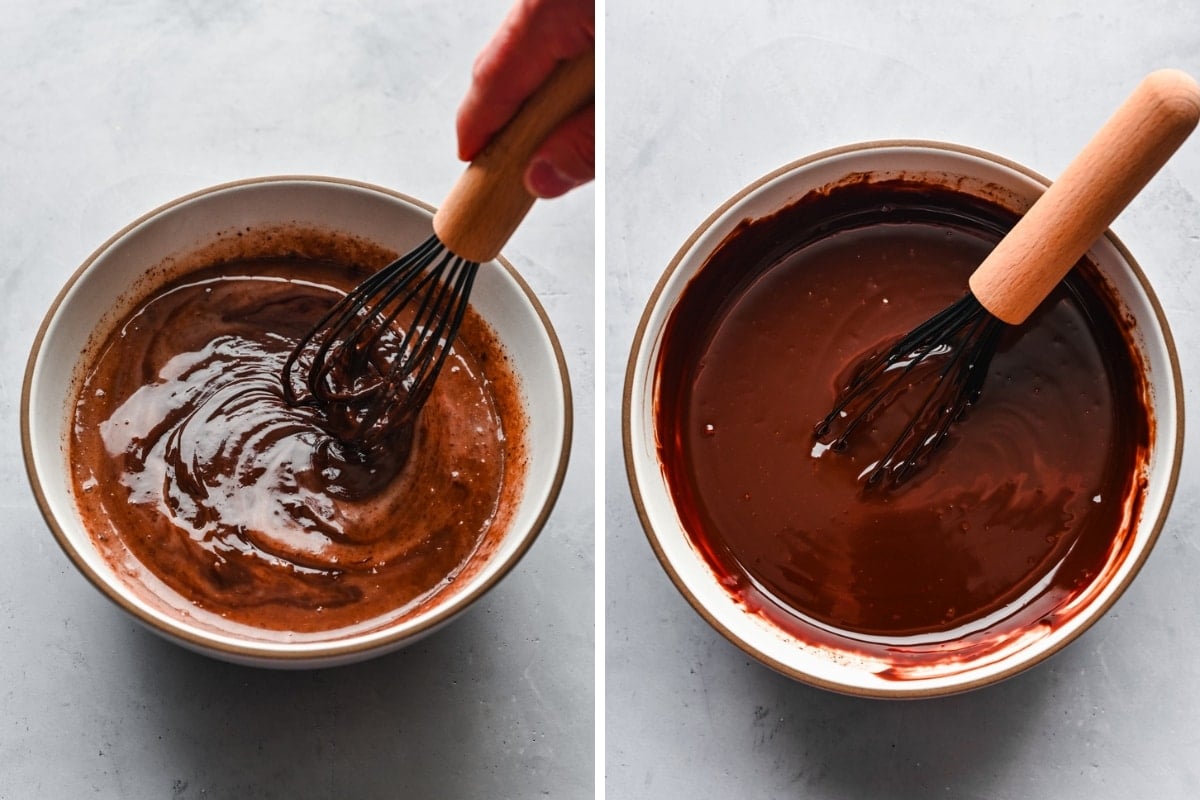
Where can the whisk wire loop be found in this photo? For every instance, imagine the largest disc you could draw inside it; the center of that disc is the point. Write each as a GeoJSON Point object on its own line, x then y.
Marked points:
{"type": "Point", "coordinates": [957, 386]}
{"type": "Point", "coordinates": [434, 326]}
{"type": "Point", "coordinates": [962, 338]}
{"type": "Point", "coordinates": [374, 356]}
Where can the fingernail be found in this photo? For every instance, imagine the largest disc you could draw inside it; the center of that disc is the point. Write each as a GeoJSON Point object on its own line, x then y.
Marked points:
{"type": "Point", "coordinates": [545, 181]}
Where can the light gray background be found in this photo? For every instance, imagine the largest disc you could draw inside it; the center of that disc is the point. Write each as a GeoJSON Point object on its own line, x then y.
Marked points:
{"type": "Point", "coordinates": [705, 97]}
{"type": "Point", "coordinates": [109, 108]}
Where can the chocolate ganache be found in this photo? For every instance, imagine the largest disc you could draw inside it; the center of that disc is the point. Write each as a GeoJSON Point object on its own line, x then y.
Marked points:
{"type": "Point", "coordinates": [1030, 499]}
{"type": "Point", "coordinates": [192, 470]}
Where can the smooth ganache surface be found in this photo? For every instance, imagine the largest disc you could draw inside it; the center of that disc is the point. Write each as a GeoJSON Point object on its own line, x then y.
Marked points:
{"type": "Point", "coordinates": [191, 470]}
{"type": "Point", "coordinates": [1026, 504]}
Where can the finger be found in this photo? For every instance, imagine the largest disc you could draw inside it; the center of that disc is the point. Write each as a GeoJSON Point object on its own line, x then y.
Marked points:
{"type": "Point", "coordinates": [532, 39]}
{"type": "Point", "coordinates": [566, 159]}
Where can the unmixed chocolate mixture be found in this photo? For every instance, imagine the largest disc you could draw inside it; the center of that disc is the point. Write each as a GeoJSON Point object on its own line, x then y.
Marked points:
{"type": "Point", "coordinates": [189, 463]}
{"type": "Point", "coordinates": [1015, 514]}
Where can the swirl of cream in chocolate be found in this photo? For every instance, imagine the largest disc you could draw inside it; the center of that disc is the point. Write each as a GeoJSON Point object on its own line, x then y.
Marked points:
{"type": "Point", "coordinates": [187, 456]}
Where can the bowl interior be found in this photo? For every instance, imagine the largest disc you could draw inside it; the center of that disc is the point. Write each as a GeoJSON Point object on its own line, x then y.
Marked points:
{"type": "Point", "coordinates": [136, 258]}
{"type": "Point", "coordinates": [975, 173]}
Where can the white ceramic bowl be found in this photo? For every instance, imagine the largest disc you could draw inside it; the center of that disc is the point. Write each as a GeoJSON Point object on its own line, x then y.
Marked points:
{"type": "Point", "coordinates": [977, 173]}
{"type": "Point", "coordinates": [131, 261]}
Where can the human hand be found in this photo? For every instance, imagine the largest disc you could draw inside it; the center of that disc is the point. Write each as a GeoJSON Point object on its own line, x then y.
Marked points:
{"type": "Point", "coordinates": [533, 38]}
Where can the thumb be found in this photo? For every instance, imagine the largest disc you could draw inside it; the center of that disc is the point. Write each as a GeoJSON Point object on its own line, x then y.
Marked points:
{"type": "Point", "coordinates": [566, 159]}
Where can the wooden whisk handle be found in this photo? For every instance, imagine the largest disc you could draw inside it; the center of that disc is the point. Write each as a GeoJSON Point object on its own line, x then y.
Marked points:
{"type": "Point", "coordinates": [489, 200]}
{"type": "Point", "coordinates": [1098, 183]}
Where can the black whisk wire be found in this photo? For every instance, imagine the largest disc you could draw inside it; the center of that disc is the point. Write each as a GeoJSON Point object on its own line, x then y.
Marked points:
{"type": "Point", "coordinates": [964, 336]}
{"type": "Point", "coordinates": [362, 358]}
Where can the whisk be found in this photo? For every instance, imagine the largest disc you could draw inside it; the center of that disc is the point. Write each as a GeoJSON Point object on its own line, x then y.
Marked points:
{"type": "Point", "coordinates": [372, 360]}
{"type": "Point", "coordinates": [948, 355]}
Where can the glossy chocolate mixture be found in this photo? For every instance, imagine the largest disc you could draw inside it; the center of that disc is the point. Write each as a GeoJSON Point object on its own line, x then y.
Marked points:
{"type": "Point", "coordinates": [1025, 504]}
{"type": "Point", "coordinates": [188, 462]}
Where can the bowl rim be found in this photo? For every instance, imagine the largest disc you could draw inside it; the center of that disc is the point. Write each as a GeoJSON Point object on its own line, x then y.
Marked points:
{"type": "Point", "coordinates": [901, 691]}
{"type": "Point", "coordinates": [306, 653]}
